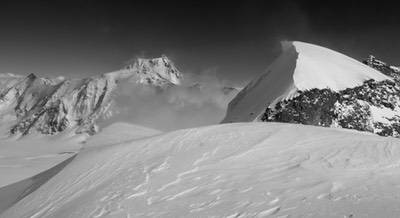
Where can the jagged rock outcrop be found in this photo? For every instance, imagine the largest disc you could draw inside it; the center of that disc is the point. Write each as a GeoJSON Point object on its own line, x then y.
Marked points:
{"type": "Point", "coordinates": [157, 71]}
{"type": "Point", "coordinates": [373, 106]}
{"type": "Point", "coordinates": [382, 66]}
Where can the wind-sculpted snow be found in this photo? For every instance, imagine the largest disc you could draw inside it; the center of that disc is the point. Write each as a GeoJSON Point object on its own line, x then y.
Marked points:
{"type": "Point", "coordinates": [300, 67]}
{"type": "Point", "coordinates": [117, 133]}
{"type": "Point", "coordinates": [233, 170]}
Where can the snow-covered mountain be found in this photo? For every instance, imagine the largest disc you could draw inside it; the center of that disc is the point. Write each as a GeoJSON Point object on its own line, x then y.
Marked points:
{"type": "Point", "coordinates": [148, 92]}
{"type": "Point", "coordinates": [231, 170]}
{"type": "Point", "coordinates": [49, 106]}
{"type": "Point", "coordinates": [300, 67]}
{"type": "Point", "coordinates": [312, 85]}
{"type": "Point", "coordinates": [252, 169]}
{"type": "Point", "coordinates": [157, 71]}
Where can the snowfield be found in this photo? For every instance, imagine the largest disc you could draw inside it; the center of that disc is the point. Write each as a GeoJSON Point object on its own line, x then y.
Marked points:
{"type": "Point", "coordinates": [230, 170]}
{"type": "Point", "coordinates": [27, 163]}
{"type": "Point", "coordinates": [301, 66]}
{"type": "Point", "coordinates": [23, 158]}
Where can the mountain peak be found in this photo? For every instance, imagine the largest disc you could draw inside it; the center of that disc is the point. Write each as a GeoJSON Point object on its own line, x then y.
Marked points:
{"type": "Point", "coordinates": [51, 105]}
{"type": "Point", "coordinates": [312, 85]}
{"type": "Point", "coordinates": [159, 71]}
{"type": "Point", "coordinates": [300, 67]}
{"type": "Point", "coordinates": [31, 76]}
{"type": "Point", "coordinates": [163, 59]}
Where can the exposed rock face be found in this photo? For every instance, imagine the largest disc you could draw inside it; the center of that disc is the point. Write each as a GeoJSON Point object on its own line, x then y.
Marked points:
{"type": "Point", "coordinates": [158, 71]}
{"type": "Point", "coordinates": [54, 105]}
{"type": "Point", "coordinates": [373, 106]}
{"type": "Point", "coordinates": [382, 66]}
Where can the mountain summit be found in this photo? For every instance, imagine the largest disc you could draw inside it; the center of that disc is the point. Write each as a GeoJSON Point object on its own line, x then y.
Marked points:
{"type": "Point", "coordinates": [312, 85]}
{"type": "Point", "coordinates": [155, 71]}
{"type": "Point", "coordinates": [300, 67]}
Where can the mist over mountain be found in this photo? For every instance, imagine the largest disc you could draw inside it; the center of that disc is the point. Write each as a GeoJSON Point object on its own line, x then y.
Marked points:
{"type": "Point", "coordinates": [318, 129]}
{"type": "Point", "coordinates": [217, 109]}
{"type": "Point", "coordinates": [149, 92]}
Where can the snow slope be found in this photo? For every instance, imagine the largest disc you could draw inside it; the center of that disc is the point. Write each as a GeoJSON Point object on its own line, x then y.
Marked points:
{"type": "Point", "coordinates": [26, 157]}
{"type": "Point", "coordinates": [232, 170]}
{"type": "Point", "coordinates": [27, 163]}
{"type": "Point", "coordinates": [301, 66]}
{"type": "Point", "coordinates": [119, 132]}
{"type": "Point", "coordinates": [20, 159]}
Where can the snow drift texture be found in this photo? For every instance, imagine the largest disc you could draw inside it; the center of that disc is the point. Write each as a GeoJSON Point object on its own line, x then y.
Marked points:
{"type": "Point", "coordinates": [232, 170]}
{"type": "Point", "coordinates": [300, 67]}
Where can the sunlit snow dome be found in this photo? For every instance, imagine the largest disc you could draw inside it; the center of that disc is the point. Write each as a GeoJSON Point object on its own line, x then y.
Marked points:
{"type": "Point", "coordinates": [301, 66]}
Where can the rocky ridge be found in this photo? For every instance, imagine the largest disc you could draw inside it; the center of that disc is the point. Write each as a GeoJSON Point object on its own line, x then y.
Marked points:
{"type": "Point", "coordinates": [373, 107]}
{"type": "Point", "coordinates": [52, 105]}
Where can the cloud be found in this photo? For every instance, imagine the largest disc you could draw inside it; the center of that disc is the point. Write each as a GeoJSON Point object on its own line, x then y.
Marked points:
{"type": "Point", "coordinates": [201, 100]}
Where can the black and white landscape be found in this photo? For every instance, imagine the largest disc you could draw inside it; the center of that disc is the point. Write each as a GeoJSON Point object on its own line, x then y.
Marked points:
{"type": "Point", "coordinates": [315, 132]}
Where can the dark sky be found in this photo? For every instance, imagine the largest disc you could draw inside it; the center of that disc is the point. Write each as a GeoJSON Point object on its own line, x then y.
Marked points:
{"type": "Point", "coordinates": [238, 39]}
